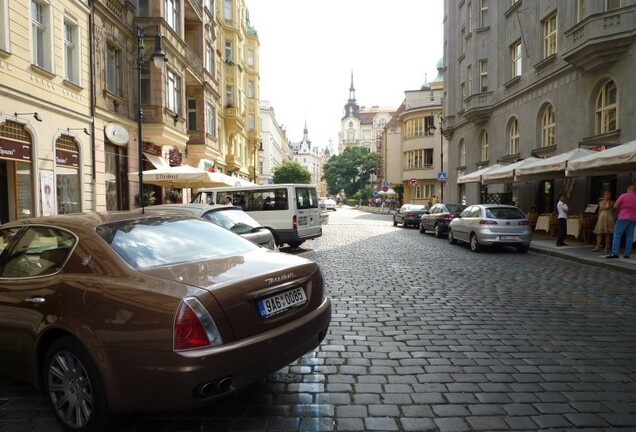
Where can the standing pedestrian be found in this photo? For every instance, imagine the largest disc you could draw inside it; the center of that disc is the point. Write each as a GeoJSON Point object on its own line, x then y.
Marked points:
{"type": "Point", "coordinates": [625, 206]}
{"type": "Point", "coordinates": [605, 224]}
{"type": "Point", "coordinates": [562, 221]}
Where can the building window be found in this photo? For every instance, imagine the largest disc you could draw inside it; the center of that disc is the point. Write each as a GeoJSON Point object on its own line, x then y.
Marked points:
{"type": "Point", "coordinates": [462, 37]}
{"type": "Point", "coordinates": [469, 18]}
{"type": "Point", "coordinates": [41, 33]}
{"type": "Point", "coordinates": [67, 175]}
{"type": "Point", "coordinates": [550, 36]}
{"type": "Point", "coordinates": [229, 95]}
{"type": "Point", "coordinates": [548, 127]}
{"type": "Point", "coordinates": [209, 59]}
{"type": "Point", "coordinates": [484, 146]}
{"type": "Point", "coordinates": [192, 115]}
{"type": "Point", "coordinates": [606, 119]}
{"type": "Point", "coordinates": [429, 123]}
{"type": "Point", "coordinates": [173, 92]}
{"type": "Point", "coordinates": [612, 4]}
{"type": "Point", "coordinates": [4, 25]}
{"type": "Point", "coordinates": [113, 69]}
{"type": "Point", "coordinates": [483, 13]}
{"type": "Point", "coordinates": [228, 51]}
{"type": "Point", "coordinates": [209, 4]}
{"type": "Point", "coordinates": [513, 137]}
{"type": "Point", "coordinates": [143, 8]}
{"type": "Point", "coordinates": [251, 93]}
{"type": "Point", "coordinates": [227, 9]}
{"type": "Point", "coordinates": [462, 153]}
{"type": "Point", "coordinates": [251, 122]}
{"type": "Point", "coordinates": [515, 54]}
{"type": "Point", "coordinates": [71, 52]}
{"type": "Point", "coordinates": [250, 57]}
{"type": "Point", "coordinates": [415, 128]}
{"type": "Point", "coordinates": [211, 120]}
{"type": "Point", "coordinates": [172, 14]}
{"type": "Point", "coordinates": [483, 75]}
{"type": "Point", "coordinates": [469, 79]}
{"type": "Point", "coordinates": [418, 159]}
{"type": "Point", "coordinates": [580, 10]}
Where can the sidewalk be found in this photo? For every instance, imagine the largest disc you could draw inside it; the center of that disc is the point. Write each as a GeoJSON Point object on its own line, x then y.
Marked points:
{"type": "Point", "coordinates": [583, 253]}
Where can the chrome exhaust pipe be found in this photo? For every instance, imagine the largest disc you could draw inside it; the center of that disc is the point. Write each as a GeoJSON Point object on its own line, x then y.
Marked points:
{"type": "Point", "coordinates": [215, 387]}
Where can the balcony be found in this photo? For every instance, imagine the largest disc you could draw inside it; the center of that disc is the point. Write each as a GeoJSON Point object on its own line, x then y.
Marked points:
{"type": "Point", "coordinates": [232, 163]}
{"type": "Point", "coordinates": [234, 121]}
{"type": "Point", "coordinates": [479, 107]}
{"type": "Point", "coordinates": [601, 39]}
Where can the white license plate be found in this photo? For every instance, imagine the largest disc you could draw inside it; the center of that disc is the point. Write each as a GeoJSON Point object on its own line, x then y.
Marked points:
{"type": "Point", "coordinates": [508, 238]}
{"type": "Point", "coordinates": [279, 303]}
{"type": "Point", "coordinates": [302, 221]}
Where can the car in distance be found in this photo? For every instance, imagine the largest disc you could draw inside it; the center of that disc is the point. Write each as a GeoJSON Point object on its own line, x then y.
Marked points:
{"type": "Point", "coordinates": [438, 217]}
{"type": "Point", "coordinates": [409, 214]}
{"type": "Point", "coordinates": [330, 204]}
{"type": "Point", "coordinates": [121, 312]}
{"type": "Point", "coordinates": [491, 224]}
{"type": "Point", "coordinates": [231, 218]}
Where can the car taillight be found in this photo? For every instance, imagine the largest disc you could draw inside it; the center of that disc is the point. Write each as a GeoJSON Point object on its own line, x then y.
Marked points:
{"type": "Point", "coordinates": [194, 326]}
{"type": "Point", "coordinates": [487, 222]}
{"type": "Point", "coordinates": [294, 222]}
{"type": "Point", "coordinates": [447, 217]}
{"type": "Point", "coordinates": [524, 222]}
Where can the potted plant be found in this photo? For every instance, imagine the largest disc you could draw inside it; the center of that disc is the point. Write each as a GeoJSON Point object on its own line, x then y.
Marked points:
{"type": "Point", "coordinates": [148, 197]}
{"type": "Point", "coordinates": [173, 195]}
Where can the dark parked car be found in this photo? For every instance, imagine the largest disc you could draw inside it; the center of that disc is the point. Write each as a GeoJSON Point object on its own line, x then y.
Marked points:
{"type": "Point", "coordinates": [231, 218]}
{"type": "Point", "coordinates": [491, 224]}
{"type": "Point", "coordinates": [120, 312]}
{"type": "Point", "coordinates": [409, 214]}
{"type": "Point", "coordinates": [438, 217]}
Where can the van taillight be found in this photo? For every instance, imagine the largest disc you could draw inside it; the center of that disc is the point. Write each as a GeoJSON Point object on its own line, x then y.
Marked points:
{"type": "Point", "coordinates": [294, 222]}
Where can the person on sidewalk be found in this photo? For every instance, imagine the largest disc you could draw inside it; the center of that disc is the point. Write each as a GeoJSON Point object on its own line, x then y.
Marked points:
{"type": "Point", "coordinates": [625, 207]}
{"type": "Point", "coordinates": [562, 221]}
{"type": "Point", "coordinates": [605, 225]}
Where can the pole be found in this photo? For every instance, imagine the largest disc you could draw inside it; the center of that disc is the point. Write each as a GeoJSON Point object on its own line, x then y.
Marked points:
{"type": "Point", "coordinates": [441, 157]}
{"type": "Point", "coordinates": [140, 115]}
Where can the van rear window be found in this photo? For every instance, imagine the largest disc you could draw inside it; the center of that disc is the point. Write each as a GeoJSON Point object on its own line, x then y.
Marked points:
{"type": "Point", "coordinates": [306, 198]}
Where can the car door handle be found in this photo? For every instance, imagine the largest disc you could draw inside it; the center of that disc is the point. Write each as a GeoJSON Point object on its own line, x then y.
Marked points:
{"type": "Point", "coordinates": [36, 300]}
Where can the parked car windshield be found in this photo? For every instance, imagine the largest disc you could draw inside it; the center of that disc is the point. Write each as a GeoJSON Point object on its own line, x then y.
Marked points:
{"type": "Point", "coordinates": [504, 213]}
{"type": "Point", "coordinates": [235, 220]}
{"type": "Point", "coordinates": [159, 241]}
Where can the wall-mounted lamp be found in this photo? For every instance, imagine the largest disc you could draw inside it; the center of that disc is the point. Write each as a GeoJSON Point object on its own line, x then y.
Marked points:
{"type": "Point", "coordinates": [35, 115]}
{"type": "Point", "coordinates": [175, 119]}
{"type": "Point", "coordinates": [79, 129]}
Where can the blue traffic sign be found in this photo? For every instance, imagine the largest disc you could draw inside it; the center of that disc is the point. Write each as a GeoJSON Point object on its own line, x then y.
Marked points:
{"type": "Point", "coordinates": [442, 177]}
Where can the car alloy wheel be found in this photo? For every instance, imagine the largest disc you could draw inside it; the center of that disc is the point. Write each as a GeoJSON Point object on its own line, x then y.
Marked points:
{"type": "Point", "coordinates": [474, 243]}
{"type": "Point", "coordinates": [438, 232]}
{"type": "Point", "coordinates": [451, 237]}
{"type": "Point", "coordinates": [422, 229]}
{"type": "Point", "coordinates": [74, 389]}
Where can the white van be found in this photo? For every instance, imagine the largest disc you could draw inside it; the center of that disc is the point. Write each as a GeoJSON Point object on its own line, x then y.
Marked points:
{"type": "Point", "coordinates": [290, 211]}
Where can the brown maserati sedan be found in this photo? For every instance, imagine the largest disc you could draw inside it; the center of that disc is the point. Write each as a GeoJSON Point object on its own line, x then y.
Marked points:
{"type": "Point", "coordinates": [117, 312]}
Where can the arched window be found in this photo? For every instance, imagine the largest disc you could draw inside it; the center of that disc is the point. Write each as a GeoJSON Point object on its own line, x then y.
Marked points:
{"type": "Point", "coordinates": [548, 127]}
{"type": "Point", "coordinates": [462, 153]}
{"type": "Point", "coordinates": [513, 137]}
{"type": "Point", "coordinates": [15, 165]}
{"type": "Point", "coordinates": [484, 146]}
{"type": "Point", "coordinates": [67, 175]}
{"type": "Point", "coordinates": [606, 119]}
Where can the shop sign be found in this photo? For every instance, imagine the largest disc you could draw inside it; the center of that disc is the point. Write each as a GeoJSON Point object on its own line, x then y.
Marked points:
{"type": "Point", "coordinates": [15, 150]}
{"type": "Point", "coordinates": [66, 158]}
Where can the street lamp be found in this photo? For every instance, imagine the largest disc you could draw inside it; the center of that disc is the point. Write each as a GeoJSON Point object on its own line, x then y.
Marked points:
{"type": "Point", "coordinates": [431, 130]}
{"type": "Point", "coordinates": [159, 59]}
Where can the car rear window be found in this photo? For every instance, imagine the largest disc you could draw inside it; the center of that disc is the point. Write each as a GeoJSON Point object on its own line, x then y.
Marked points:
{"type": "Point", "coordinates": [160, 241]}
{"type": "Point", "coordinates": [504, 213]}
{"type": "Point", "coordinates": [455, 208]}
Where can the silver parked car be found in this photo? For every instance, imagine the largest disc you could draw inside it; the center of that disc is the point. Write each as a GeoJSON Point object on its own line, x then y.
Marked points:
{"type": "Point", "coordinates": [229, 217]}
{"type": "Point", "coordinates": [491, 224]}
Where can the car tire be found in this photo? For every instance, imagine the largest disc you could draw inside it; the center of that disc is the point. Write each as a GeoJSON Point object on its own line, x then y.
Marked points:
{"type": "Point", "coordinates": [422, 229]}
{"type": "Point", "coordinates": [74, 389]}
{"type": "Point", "coordinates": [438, 231]}
{"type": "Point", "coordinates": [474, 243]}
{"type": "Point", "coordinates": [394, 222]}
{"type": "Point", "coordinates": [523, 248]}
{"type": "Point", "coordinates": [451, 237]}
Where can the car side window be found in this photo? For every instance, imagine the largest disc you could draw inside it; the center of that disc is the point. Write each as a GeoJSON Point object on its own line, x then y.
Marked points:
{"type": "Point", "coordinates": [38, 251]}
{"type": "Point", "coordinates": [466, 212]}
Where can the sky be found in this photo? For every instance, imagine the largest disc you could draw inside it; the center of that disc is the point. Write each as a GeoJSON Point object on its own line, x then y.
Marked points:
{"type": "Point", "coordinates": [309, 48]}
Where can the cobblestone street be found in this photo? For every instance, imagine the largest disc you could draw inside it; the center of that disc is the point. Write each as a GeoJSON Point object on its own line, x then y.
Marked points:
{"type": "Point", "coordinates": [430, 336]}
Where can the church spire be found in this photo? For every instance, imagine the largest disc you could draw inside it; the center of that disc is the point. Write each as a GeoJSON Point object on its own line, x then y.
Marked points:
{"type": "Point", "coordinates": [352, 90]}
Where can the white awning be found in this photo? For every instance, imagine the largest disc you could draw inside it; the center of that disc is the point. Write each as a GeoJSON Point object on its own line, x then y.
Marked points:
{"type": "Point", "coordinates": [157, 161]}
{"type": "Point", "coordinates": [475, 177]}
{"type": "Point", "coordinates": [549, 168]}
{"type": "Point", "coordinates": [619, 158]}
{"type": "Point", "coordinates": [183, 176]}
{"type": "Point", "coordinates": [505, 173]}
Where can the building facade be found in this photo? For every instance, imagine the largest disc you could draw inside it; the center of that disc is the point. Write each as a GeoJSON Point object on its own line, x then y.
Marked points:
{"type": "Point", "coordinates": [537, 78]}
{"type": "Point", "coordinates": [308, 156]}
{"type": "Point", "coordinates": [275, 144]}
{"type": "Point", "coordinates": [75, 89]}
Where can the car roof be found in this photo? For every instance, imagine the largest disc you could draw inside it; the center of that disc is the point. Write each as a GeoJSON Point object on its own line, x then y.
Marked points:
{"type": "Point", "coordinates": [192, 208]}
{"type": "Point", "coordinates": [495, 205]}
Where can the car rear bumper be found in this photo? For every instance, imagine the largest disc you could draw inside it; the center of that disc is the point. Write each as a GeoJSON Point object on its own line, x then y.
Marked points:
{"type": "Point", "coordinates": [496, 239]}
{"type": "Point", "coordinates": [148, 380]}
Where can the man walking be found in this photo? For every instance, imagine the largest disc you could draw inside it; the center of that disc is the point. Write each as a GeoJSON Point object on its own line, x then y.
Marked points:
{"type": "Point", "coordinates": [562, 221]}
{"type": "Point", "coordinates": [625, 207]}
